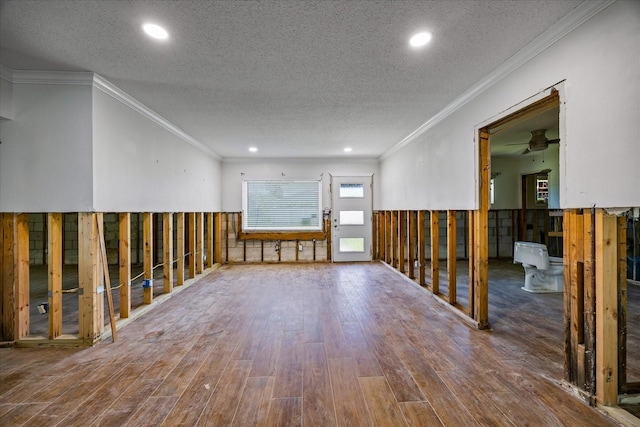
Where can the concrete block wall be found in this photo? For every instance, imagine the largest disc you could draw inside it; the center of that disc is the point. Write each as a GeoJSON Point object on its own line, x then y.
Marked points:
{"type": "Point", "coordinates": [37, 239]}
{"type": "Point", "coordinates": [501, 233]}
{"type": "Point", "coordinates": [255, 251]}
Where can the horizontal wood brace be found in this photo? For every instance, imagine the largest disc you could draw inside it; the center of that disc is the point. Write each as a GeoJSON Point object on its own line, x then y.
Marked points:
{"type": "Point", "coordinates": [282, 235]}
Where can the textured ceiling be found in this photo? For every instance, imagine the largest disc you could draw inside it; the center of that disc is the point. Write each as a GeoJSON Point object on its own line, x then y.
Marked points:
{"type": "Point", "coordinates": [295, 79]}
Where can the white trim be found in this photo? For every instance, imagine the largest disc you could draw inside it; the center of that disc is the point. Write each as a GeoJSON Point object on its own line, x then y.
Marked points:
{"type": "Point", "coordinates": [571, 21]}
{"type": "Point", "coordinates": [92, 79]}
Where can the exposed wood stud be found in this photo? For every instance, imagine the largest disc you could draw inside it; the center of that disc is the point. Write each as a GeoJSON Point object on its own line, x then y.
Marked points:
{"type": "Point", "coordinates": [401, 240]}
{"type": "Point", "coordinates": [606, 309]}
{"type": "Point", "coordinates": [199, 243]}
{"type": "Point", "coordinates": [451, 255]}
{"type": "Point", "coordinates": [104, 266]}
{"type": "Point", "coordinates": [435, 252]}
{"type": "Point", "coordinates": [218, 237]}
{"type": "Point", "coordinates": [147, 260]}
{"type": "Point", "coordinates": [589, 301]}
{"type": "Point", "coordinates": [388, 234]}
{"type": "Point", "coordinates": [209, 240]}
{"type": "Point", "coordinates": [90, 302]}
{"type": "Point", "coordinates": [180, 248]}
{"type": "Point", "coordinates": [472, 259]}
{"type": "Point", "coordinates": [622, 304]}
{"type": "Point", "coordinates": [481, 235]}
{"type": "Point", "coordinates": [54, 266]}
{"type": "Point", "coordinates": [191, 233]}
{"type": "Point", "coordinates": [422, 256]}
{"type": "Point", "coordinates": [394, 238]}
{"type": "Point", "coordinates": [226, 237]}
{"type": "Point", "coordinates": [124, 263]}
{"type": "Point", "coordinates": [167, 256]}
{"type": "Point", "coordinates": [412, 242]}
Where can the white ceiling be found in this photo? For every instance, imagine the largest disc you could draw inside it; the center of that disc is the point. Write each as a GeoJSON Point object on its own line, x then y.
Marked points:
{"type": "Point", "coordinates": [295, 79]}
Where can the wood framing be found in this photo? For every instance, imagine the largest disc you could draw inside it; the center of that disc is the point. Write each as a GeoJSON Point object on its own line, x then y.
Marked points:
{"type": "Point", "coordinates": [422, 256]}
{"type": "Point", "coordinates": [389, 244]}
{"type": "Point", "coordinates": [401, 241]}
{"type": "Point", "coordinates": [191, 233]}
{"type": "Point", "coordinates": [622, 304]}
{"type": "Point", "coordinates": [435, 252]}
{"type": "Point", "coordinates": [606, 309]}
{"type": "Point", "coordinates": [104, 268]}
{"type": "Point", "coordinates": [124, 263]}
{"type": "Point", "coordinates": [411, 242]}
{"type": "Point", "coordinates": [394, 238]}
{"type": "Point", "coordinates": [147, 259]}
{"type": "Point", "coordinates": [451, 255]}
{"type": "Point", "coordinates": [54, 267]}
{"type": "Point", "coordinates": [472, 259]}
{"type": "Point", "coordinates": [180, 248]}
{"type": "Point", "coordinates": [15, 276]}
{"type": "Point", "coordinates": [167, 252]}
{"type": "Point", "coordinates": [481, 235]}
{"type": "Point", "coordinates": [90, 301]}
{"type": "Point", "coordinates": [209, 240]}
{"type": "Point", "coordinates": [199, 242]}
{"type": "Point", "coordinates": [218, 237]}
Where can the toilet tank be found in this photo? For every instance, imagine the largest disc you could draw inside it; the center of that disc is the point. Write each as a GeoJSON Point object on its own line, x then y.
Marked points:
{"type": "Point", "coordinates": [532, 254]}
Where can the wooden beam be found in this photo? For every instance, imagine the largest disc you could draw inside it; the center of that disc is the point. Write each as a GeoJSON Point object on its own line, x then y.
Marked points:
{"type": "Point", "coordinates": [147, 259]}
{"type": "Point", "coordinates": [606, 309]}
{"type": "Point", "coordinates": [435, 252]}
{"type": "Point", "coordinates": [282, 235]}
{"type": "Point", "coordinates": [199, 242]}
{"type": "Point", "coordinates": [167, 252]}
{"type": "Point", "coordinates": [124, 263]}
{"type": "Point", "coordinates": [218, 237]}
{"type": "Point", "coordinates": [209, 240]}
{"type": "Point", "coordinates": [401, 241]}
{"type": "Point", "coordinates": [104, 266]}
{"type": "Point", "coordinates": [90, 302]}
{"type": "Point", "coordinates": [394, 239]}
{"type": "Point", "coordinates": [191, 232]}
{"type": "Point", "coordinates": [421, 247]}
{"type": "Point", "coordinates": [589, 301]}
{"type": "Point", "coordinates": [412, 242]}
{"type": "Point", "coordinates": [472, 262]}
{"type": "Point", "coordinates": [388, 243]}
{"type": "Point", "coordinates": [54, 267]}
{"type": "Point", "coordinates": [180, 249]}
{"type": "Point", "coordinates": [226, 237]}
{"type": "Point", "coordinates": [576, 248]}
{"type": "Point", "coordinates": [327, 225]}
{"type": "Point", "coordinates": [481, 235]}
{"type": "Point", "coordinates": [21, 277]}
{"type": "Point", "coordinates": [622, 303]}
{"type": "Point", "coordinates": [547, 103]}
{"type": "Point", "coordinates": [451, 255]}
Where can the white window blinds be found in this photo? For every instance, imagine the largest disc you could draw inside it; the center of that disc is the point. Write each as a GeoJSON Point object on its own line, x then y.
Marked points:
{"type": "Point", "coordinates": [282, 205]}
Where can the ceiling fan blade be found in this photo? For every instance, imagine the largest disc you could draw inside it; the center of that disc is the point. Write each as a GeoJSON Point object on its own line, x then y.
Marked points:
{"type": "Point", "coordinates": [553, 141]}
{"type": "Point", "coordinates": [525, 151]}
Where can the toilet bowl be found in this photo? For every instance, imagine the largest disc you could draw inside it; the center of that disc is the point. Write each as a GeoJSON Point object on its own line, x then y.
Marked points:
{"type": "Point", "coordinates": [542, 273]}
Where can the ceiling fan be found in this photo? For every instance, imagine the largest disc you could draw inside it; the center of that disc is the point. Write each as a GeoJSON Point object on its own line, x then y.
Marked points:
{"type": "Point", "coordinates": [538, 141]}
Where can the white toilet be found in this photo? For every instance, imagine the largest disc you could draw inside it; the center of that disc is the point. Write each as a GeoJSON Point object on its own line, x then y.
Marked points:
{"type": "Point", "coordinates": [542, 273]}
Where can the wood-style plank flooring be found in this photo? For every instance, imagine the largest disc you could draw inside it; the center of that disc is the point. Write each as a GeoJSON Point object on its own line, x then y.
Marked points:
{"type": "Point", "coordinates": [291, 345]}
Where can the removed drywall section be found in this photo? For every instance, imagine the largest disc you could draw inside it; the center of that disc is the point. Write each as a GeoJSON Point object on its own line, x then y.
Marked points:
{"type": "Point", "coordinates": [140, 166]}
{"type": "Point", "coordinates": [46, 150]}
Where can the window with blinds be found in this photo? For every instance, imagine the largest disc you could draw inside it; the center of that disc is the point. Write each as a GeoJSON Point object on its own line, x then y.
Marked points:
{"type": "Point", "coordinates": [282, 205]}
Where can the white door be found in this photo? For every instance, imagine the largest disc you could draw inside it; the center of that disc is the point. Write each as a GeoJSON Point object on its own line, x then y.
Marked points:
{"type": "Point", "coordinates": [351, 213]}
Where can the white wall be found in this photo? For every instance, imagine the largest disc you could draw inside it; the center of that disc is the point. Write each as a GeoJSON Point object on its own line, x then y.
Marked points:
{"type": "Point", "coordinates": [46, 153]}
{"type": "Point", "coordinates": [600, 153]}
{"type": "Point", "coordinates": [139, 166]}
{"type": "Point", "coordinates": [6, 98]}
{"type": "Point", "coordinates": [233, 170]}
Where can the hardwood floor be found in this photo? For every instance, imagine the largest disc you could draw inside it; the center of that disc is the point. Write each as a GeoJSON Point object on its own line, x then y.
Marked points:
{"type": "Point", "coordinates": [292, 345]}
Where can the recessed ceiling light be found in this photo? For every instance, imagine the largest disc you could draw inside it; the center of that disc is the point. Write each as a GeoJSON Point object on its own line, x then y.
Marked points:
{"type": "Point", "coordinates": [155, 31]}
{"type": "Point", "coordinates": [253, 149]}
{"type": "Point", "coordinates": [347, 150]}
{"type": "Point", "coordinates": [420, 39]}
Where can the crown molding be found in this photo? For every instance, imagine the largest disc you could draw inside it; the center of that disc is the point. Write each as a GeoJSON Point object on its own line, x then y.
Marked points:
{"type": "Point", "coordinates": [110, 89]}
{"type": "Point", "coordinates": [85, 78]}
{"type": "Point", "coordinates": [570, 22]}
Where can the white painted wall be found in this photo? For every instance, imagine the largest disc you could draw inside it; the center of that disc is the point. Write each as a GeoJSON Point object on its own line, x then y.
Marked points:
{"type": "Point", "coordinates": [233, 170]}
{"type": "Point", "coordinates": [46, 152]}
{"type": "Point", "coordinates": [6, 98]}
{"type": "Point", "coordinates": [600, 153]}
{"type": "Point", "coordinates": [139, 166]}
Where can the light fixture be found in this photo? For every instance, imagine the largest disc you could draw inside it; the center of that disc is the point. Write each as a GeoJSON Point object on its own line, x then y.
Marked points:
{"type": "Point", "coordinates": [420, 39]}
{"type": "Point", "coordinates": [347, 150]}
{"type": "Point", "coordinates": [253, 149]}
{"type": "Point", "coordinates": [155, 31]}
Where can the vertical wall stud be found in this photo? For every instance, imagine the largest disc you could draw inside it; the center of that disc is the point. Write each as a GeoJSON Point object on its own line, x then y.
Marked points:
{"type": "Point", "coordinates": [622, 303]}
{"type": "Point", "coordinates": [218, 237]}
{"type": "Point", "coordinates": [199, 242]}
{"type": "Point", "coordinates": [401, 241]}
{"type": "Point", "coordinates": [54, 266]}
{"type": "Point", "coordinates": [209, 240]}
{"type": "Point", "coordinates": [412, 242]}
{"type": "Point", "coordinates": [191, 226]}
{"type": "Point", "coordinates": [472, 259]}
{"type": "Point", "coordinates": [435, 253]}
{"type": "Point", "coordinates": [124, 267]}
{"type": "Point", "coordinates": [167, 256]}
{"type": "Point", "coordinates": [451, 255]}
{"type": "Point", "coordinates": [147, 261]}
{"type": "Point", "coordinates": [180, 249]}
{"type": "Point", "coordinates": [422, 256]}
{"type": "Point", "coordinates": [90, 301]}
{"type": "Point", "coordinates": [606, 309]}
{"type": "Point", "coordinates": [481, 235]}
